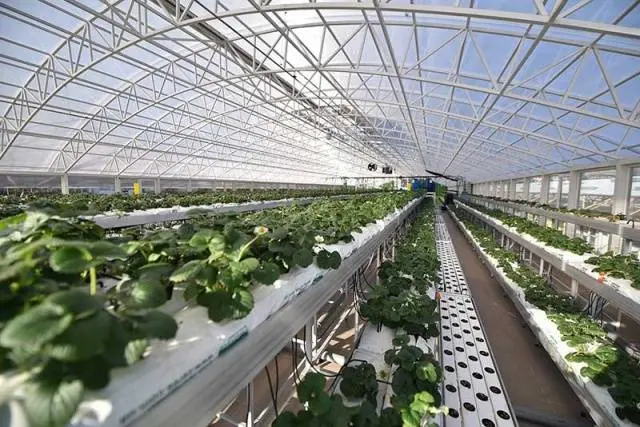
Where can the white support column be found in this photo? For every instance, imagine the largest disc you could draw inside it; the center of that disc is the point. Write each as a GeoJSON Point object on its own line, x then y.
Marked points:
{"type": "Point", "coordinates": [572, 202]}
{"type": "Point", "coordinates": [189, 187]}
{"type": "Point", "coordinates": [544, 189]}
{"type": "Point", "coordinates": [311, 340]}
{"type": "Point", "coordinates": [544, 196]}
{"type": "Point", "coordinates": [116, 185]}
{"type": "Point", "coordinates": [526, 188]}
{"type": "Point", "coordinates": [64, 183]}
{"type": "Point", "coordinates": [574, 287]}
{"type": "Point", "coordinates": [621, 194]}
{"type": "Point", "coordinates": [511, 190]}
{"type": "Point", "coordinates": [156, 185]}
{"type": "Point", "coordinates": [574, 190]}
{"type": "Point", "coordinates": [622, 189]}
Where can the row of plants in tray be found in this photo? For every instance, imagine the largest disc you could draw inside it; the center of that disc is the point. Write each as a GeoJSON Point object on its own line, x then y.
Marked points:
{"type": "Point", "coordinates": [588, 213]}
{"type": "Point", "coordinates": [549, 236]}
{"type": "Point", "coordinates": [605, 363]}
{"type": "Point", "coordinates": [60, 335]}
{"type": "Point", "coordinates": [620, 266]}
{"type": "Point", "coordinates": [399, 302]}
{"type": "Point", "coordinates": [91, 203]}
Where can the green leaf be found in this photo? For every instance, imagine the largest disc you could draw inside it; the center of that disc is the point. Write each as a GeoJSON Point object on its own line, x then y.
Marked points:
{"type": "Point", "coordinates": [427, 371]}
{"type": "Point", "coordinates": [83, 339]}
{"type": "Point", "coordinates": [245, 266]}
{"type": "Point", "coordinates": [243, 302]}
{"type": "Point", "coordinates": [409, 418]}
{"type": "Point", "coordinates": [219, 304]}
{"type": "Point", "coordinates": [156, 324]}
{"type": "Point", "coordinates": [147, 295]}
{"type": "Point", "coordinates": [94, 373]}
{"type": "Point", "coordinates": [52, 403]}
{"type": "Point", "coordinates": [230, 277]}
{"type": "Point", "coordinates": [326, 259]}
{"type": "Point", "coordinates": [116, 343]}
{"type": "Point", "coordinates": [155, 271]}
{"type": "Point", "coordinates": [279, 233]}
{"type": "Point", "coordinates": [187, 271]}
{"type": "Point", "coordinates": [200, 240]}
{"type": "Point", "coordinates": [400, 340]}
{"type": "Point", "coordinates": [267, 273]}
{"type": "Point", "coordinates": [303, 257]}
{"type": "Point", "coordinates": [35, 327]}
{"type": "Point", "coordinates": [217, 245]}
{"type": "Point", "coordinates": [135, 349]}
{"type": "Point", "coordinates": [70, 259]}
{"type": "Point", "coordinates": [286, 419]}
{"type": "Point", "coordinates": [312, 385]}
{"type": "Point", "coordinates": [75, 301]}
{"type": "Point", "coordinates": [191, 291]}
{"type": "Point", "coordinates": [107, 250]}
{"type": "Point", "coordinates": [249, 264]}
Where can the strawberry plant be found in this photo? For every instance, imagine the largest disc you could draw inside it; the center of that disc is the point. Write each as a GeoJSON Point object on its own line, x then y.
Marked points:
{"type": "Point", "coordinates": [90, 204]}
{"type": "Point", "coordinates": [549, 236]}
{"type": "Point", "coordinates": [359, 382]}
{"type": "Point", "coordinates": [416, 372]}
{"type": "Point", "coordinates": [56, 329]}
{"type": "Point", "coordinates": [606, 364]}
{"type": "Point", "coordinates": [60, 335]}
{"type": "Point", "coordinates": [622, 266]}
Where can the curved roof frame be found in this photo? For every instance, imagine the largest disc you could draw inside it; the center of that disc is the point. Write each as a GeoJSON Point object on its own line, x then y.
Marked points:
{"type": "Point", "coordinates": [203, 111]}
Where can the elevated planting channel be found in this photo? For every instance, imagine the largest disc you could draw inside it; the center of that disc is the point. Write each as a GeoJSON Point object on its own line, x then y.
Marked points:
{"type": "Point", "coordinates": [473, 390]}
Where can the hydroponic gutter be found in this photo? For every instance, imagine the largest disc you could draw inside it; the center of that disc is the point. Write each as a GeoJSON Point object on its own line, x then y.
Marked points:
{"type": "Point", "coordinates": [596, 399]}
{"type": "Point", "coordinates": [187, 380]}
{"type": "Point", "coordinates": [617, 291]}
{"type": "Point", "coordinates": [180, 213]}
{"type": "Point", "coordinates": [472, 384]}
{"type": "Point", "coordinates": [619, 228]}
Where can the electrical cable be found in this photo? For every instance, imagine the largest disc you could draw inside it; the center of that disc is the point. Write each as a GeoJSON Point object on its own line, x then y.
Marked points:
{"type": "Point", "coordinates": [274, 399]}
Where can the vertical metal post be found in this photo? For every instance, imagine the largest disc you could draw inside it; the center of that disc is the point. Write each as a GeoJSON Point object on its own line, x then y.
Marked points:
{"type": "Point", "coordinates": [541, 270]}
{"type": "Point", "coordinates": [621, 195]}
{"type": "Point", "coordinates": [249, 418]}
{"type": "Point", "coordinates": [572, 201]}
{"type": "Point", "coordinates": [393, 248]}
{"type": "Point", "coordinates": [311, 337]}
{"type": "Point", "coordinates": [64, 183]}
{"type": "Point", "coordinates": [116, 185]}
{"type": "Point", "coordinates": [156, 185]}
{"type": "Point", "coordinates": [525, 189]}
{"type": "Point", "coordinates": [574, 287]}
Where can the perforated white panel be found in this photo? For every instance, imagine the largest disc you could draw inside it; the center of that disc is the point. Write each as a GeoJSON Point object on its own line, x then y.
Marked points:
{"type": "Point", "coordinates": [473, 389]}
{"type": "Point", "coordinates": [451, 275]}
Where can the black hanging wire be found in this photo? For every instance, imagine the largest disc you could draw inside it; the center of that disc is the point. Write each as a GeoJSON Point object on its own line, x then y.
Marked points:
{"type": "Point", "coordinates": [274, 396]}
{"type": "Point", "coordinates": [595, 306]}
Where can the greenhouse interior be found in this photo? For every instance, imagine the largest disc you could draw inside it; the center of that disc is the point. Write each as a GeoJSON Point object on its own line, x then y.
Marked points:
{"type": "Point", "coordinates": [319, 213]}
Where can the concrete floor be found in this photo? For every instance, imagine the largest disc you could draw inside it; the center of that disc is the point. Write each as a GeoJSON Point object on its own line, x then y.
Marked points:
{"type": "Point", "coordinates": [530, 377]}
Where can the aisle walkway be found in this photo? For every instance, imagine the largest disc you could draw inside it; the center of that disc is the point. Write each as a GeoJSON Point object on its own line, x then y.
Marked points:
{"type": "Point", "coordinates": [532, 380]}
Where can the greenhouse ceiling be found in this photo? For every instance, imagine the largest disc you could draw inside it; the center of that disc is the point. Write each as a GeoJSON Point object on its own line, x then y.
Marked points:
{"type": "Point", "coordinates": [290, 90]}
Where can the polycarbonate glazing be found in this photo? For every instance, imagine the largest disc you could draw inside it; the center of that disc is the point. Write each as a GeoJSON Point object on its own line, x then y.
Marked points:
{"type": "Point", "coordinates": [299, 91]}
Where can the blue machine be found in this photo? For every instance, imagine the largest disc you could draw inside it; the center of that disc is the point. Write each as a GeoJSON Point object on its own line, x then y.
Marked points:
{"type": "Point", "coordinates": [423, 184]}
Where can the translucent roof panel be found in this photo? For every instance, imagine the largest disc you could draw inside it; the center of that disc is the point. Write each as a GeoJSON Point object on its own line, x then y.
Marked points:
{"type": "Point", "coordinates": [299, 91]}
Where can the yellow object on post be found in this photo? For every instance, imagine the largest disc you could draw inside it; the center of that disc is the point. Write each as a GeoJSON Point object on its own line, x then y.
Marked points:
{"type": "Point", "coordinates": [137, 188]}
